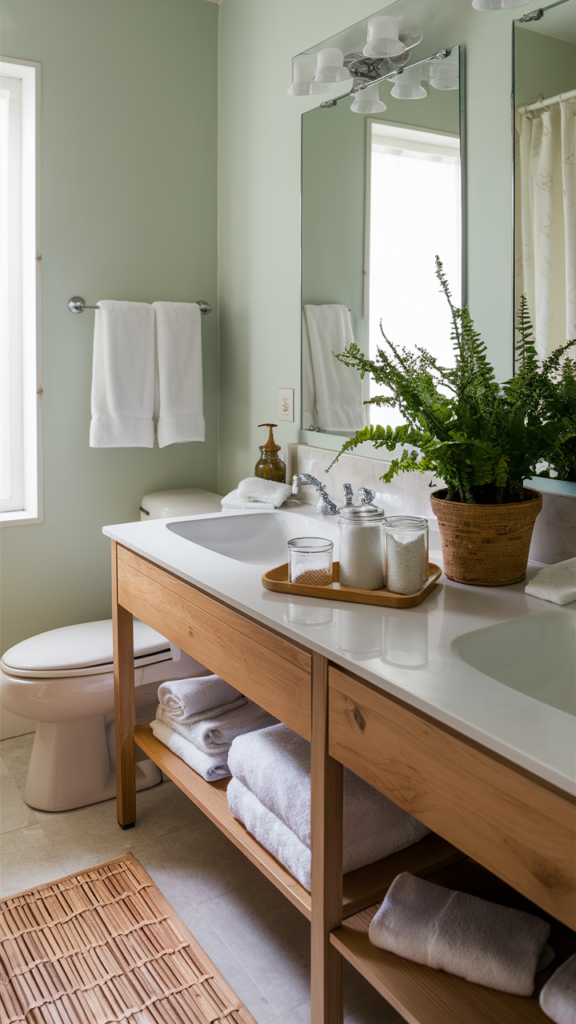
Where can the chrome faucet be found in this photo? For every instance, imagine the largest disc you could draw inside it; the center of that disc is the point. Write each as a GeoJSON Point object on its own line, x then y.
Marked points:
{"type": "Point", "coordinates": [325, 504]}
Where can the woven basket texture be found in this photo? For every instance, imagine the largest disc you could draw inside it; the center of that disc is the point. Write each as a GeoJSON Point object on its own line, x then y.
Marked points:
{"type": "Point", "coordinates": [486, 545]}
{"type": "Point", "coordinates": [104, 947]}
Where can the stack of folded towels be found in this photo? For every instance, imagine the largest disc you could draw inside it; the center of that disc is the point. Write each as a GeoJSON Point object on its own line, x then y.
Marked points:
{"type": "Point", "coordinates": [270, 794]}
{"type": "Point", "coordinates": [255, 492]}
{"type": "Point", "coordinates": [198, 718]}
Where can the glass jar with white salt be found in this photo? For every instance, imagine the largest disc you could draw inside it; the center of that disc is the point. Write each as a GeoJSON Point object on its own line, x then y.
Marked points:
{"type": "Point", "coordinates": [406, 554]}
{"type": "Point", "coordinates": [361, 547]}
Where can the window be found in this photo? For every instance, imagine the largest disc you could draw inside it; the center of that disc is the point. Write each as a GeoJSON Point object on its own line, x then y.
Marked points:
{"type": "Point", "coordinates": [415, 214]}
{"type": "Point", "coordinates": [20, 396]}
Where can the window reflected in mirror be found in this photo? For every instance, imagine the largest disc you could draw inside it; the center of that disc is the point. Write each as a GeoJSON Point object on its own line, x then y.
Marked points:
{"type": "Point", "coordinates": [545, 175]}
{"type": "Point", "coordinates": [381, 198]}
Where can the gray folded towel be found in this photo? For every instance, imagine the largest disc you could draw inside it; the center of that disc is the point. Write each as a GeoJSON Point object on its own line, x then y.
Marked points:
{"type": "Point", "coordinates": [451, 931]}
{"type": "Point", "coordinates": [213, 731]}
{"type": "Point", "coordinates": [558, 997]}
{"type": "Point", "coordinates": [183, 697]}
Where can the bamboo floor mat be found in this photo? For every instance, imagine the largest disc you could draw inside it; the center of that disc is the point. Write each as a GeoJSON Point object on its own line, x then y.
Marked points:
{"type": "Point", "coordinates": [103, 947]}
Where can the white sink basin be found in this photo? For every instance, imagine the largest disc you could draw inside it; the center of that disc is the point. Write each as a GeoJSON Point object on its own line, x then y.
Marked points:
{"type": "Point", "coordinates": [258, 539]}
{"type": "Point", "coordinates": [535, 655]}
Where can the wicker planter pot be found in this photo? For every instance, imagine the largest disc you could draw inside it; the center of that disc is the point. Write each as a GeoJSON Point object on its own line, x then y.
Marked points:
{"type": "Point", "coordinates": [486, 545]}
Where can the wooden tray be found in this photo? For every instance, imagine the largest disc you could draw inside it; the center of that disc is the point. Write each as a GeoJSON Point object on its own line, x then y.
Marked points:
{"type": "Point", "coordinates": [277, 579]}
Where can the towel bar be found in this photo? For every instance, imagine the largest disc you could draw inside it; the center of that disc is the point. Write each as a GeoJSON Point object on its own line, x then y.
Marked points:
{"type": "Point", "coordinates": [77, 305]}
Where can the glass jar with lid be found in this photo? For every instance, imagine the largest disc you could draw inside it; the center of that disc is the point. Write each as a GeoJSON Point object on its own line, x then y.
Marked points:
{"type": "Point", "coordinates": [361, 547]}
{"type": "Point", "coordinates": [406, 554]}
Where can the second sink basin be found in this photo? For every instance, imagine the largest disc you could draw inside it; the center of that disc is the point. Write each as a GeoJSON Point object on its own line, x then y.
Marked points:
{"type": "Point", "coordinates": [535, 655]}
{"type": "Point", "coordinates": [258, 539]}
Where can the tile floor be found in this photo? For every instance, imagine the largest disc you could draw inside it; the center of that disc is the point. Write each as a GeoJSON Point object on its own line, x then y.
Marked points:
{"type": "Point", "coordinates": [259, 941]}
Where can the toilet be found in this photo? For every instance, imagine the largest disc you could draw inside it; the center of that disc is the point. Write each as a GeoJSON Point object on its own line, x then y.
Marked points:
{"type": "Point", "coordinates": [64, 681]}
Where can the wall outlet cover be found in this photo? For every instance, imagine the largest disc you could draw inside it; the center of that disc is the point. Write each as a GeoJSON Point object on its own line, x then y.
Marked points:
{"type": "Point", "coordinates": [286, 404]}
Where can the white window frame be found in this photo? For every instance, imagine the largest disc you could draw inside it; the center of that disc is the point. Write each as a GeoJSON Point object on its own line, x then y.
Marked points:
{"type": "Point", "coordinates": [26, 343]}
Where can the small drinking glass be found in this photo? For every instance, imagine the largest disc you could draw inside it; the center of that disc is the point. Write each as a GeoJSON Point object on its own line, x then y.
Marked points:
{"type": "Point", "coordinates": [310, 561]}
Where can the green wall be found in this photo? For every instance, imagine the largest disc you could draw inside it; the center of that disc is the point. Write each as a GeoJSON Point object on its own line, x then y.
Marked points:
{"type": "Point", "coordinates": [259, 198]}
{"type": "Point", "coordinates": [543, 65]}
{"type": "Point", "coordinates": [129, 159]}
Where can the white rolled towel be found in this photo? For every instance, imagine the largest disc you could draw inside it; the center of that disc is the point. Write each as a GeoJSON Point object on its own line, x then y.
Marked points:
{"type": "Point", "coordinates": [558, 997]}
{"type": "Point", "coordinates": [463, 935]}
{"type": "Point", "coordinates": [214, 731]}
{"type": "Point", "coordinates": [209, 766]}
{"type": "Point", "coordinates": [183, 697]}
{"type": "Point", "coordinates": [555, 583]}
{"type": "Point", "coordinates": [274, 764]}
{"type": "Point", "coordinates": [232, 500]}
{"type": "Point", "coordinates": [254, 488]}
{"type": "Point", "coordinates": [272, 833]}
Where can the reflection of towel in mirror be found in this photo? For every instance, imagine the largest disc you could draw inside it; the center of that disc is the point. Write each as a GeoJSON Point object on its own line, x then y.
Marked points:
{"type": "Point", "coordinates": [558, 997]}
{"type": "Point", "coordinates": [463, 935]}
{"type": "Point", "coordinates": [332, 393]}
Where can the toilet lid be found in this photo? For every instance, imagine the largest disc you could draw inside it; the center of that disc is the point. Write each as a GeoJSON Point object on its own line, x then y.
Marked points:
{"type": "Point", "coordinates": [84, 646]}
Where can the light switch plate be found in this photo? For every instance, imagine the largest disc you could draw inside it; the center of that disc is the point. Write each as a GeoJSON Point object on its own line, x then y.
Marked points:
{"type": "Point", "coordinates": [286, 404]}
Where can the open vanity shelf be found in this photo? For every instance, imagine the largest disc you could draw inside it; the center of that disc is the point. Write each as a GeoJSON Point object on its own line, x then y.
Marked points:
{"type": "Point", "coordinates": [362, 888]}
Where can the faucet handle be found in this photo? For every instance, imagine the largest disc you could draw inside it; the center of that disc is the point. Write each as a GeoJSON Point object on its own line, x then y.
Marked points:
{"type": "Point", "coordinates": [295, 483]}
{"type": "Point", "coordinates": [367, 495]}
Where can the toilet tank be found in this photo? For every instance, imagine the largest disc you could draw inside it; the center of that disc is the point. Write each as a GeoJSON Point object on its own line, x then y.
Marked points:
{"type": "Point", "coordinates": [192, 501]}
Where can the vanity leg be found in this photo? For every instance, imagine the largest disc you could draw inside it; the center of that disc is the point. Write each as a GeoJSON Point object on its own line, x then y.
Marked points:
{"type": "Point", "coordinates": [124, 704]}
{"type": "Point", "coordinates": [327, 983]}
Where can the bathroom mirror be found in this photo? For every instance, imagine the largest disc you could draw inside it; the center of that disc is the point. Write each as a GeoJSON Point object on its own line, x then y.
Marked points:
{"type": "Point", "coordinates": [545, 183]}
{"type": "Point", "coordinates": [381, 197]}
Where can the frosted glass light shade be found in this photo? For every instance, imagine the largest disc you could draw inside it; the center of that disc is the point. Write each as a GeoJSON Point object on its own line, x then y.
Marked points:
{"type": "Point", "coordinates": [444, 74]}
{"type": "Point", "coordinates": [383, 38]}
{"type": "Point", "coordinates": [303, 69]}
{"type": "Point", "coordinates": [331, 66]}
{"type": "Point", "coordinates": [408, 85]}
{"type": "Point", "coordinates": [368, 101]}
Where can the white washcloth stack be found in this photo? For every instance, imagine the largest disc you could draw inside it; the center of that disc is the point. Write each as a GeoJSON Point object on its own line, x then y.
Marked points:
{"type": "Point", "coordinates": [483, 942]}
{"type": "Point", "coordinates": [555, 583]}
{"type": "Point", "coordinates": [198, 718]}
{"type": "Point", "coordinates": [270, 794]}
{"type": "Point", "coordinates": [254, 492]}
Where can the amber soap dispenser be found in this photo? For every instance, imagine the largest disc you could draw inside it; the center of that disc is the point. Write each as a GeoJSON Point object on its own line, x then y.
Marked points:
{"type": "Point", "coordinates": [269, 465]}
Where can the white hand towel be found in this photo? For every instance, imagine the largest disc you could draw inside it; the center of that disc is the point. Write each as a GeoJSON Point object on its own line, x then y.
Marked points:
{"type": "Point", "coordinates": [558, 997]}
{"type": "Point", "coordinates": [451, 931]}
{"type": "Point", "coordinates": [214, 732]}
{"type": "Point", "coordinates": [179, 342]}
{"type": "Point", "coordinates": [232, 500]}
{"type": "Point", "coordinates": [254, 488]}
{"type": "Point", "coordinates": [555, 583]}
{"type": "Point", "coordinates": [270, 832]}
{"type": "Point", "coordinates": [274, 764]}
{"type": "Point", "coordinates": [183, 697]}
{"type": "Point", "coordinates": [338, 396]}
{"type": "Point", "coordinates": [123, 376]}
{"type": "Point", "coordinates": [209, 766]}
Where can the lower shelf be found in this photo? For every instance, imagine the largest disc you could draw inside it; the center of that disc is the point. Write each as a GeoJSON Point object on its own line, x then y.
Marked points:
{"type": "Point", "coordinates": [362, 888]}
{"type": "Point", "coordinates": [425, 996]}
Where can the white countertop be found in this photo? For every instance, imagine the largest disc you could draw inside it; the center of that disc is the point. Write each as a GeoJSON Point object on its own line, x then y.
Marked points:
{"type": "Point", "coordinates": [406, 652]}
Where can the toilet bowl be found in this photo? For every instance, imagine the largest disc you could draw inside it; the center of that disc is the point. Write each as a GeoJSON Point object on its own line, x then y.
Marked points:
{"type": "Point", "coordinates": [64, 680]}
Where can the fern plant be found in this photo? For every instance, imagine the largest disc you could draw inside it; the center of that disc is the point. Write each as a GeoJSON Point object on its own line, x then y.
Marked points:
{"type": "Point", "coordinates": [481, 437]}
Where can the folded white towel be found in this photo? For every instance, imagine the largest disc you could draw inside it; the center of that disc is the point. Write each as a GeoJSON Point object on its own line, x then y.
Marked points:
{"type": "Point", "coordinates": [232, 500]}
{"type": "Point", "coordinates": [254, 488]}
{"type": "Point", "coordinates": [451, 931]}
{"type": "Point", "coordinates": [333, 398]}
{"type": "Point", "coordinates": [555, 583]}
{"type": "Point", "coordinates": [558, 997]}
{"type": "Point", "coordinates": [179, 346]}
{"type": "Point", "coordinates": [274, 764]}
{"type": "Point", "coordinates": [209, 766]}
{"type": "Point", "coordinates": [272, 833]}
{"type": "Point", "coordinates": [123, 376]}
{"type": "Point", "coordinates": [183, 697]}
{"type": "Point", "coordinates": [213, 732]}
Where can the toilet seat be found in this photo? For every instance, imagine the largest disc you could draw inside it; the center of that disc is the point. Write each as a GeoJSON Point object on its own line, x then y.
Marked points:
{"type": "Point", "coordinates": [80, 650]}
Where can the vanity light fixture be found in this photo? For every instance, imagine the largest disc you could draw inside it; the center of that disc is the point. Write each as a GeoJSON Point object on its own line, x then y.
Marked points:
{"type": "Point", "coordinates": [370, 71]}
{"type": "Point", "coordinates": [368, 101]}
{"type": "Point", "coordinates": [408, 84]}
{"type": "Point", "coordinates": [304, 67]}
{"type": "Point", "coordinates": [383, 38]}
{"type": "Point", "coordinates": [444, 74]}
{"type": "Point", "coordinates": [330, 66]}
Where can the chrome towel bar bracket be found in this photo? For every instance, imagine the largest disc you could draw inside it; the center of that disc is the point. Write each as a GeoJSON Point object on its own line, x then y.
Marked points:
{"type": "Point", "coordinates": [77, 305]}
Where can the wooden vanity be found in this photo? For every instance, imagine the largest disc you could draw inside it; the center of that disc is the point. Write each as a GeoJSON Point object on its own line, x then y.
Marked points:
{"type": "Point", "coordinates": [488, 816]}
